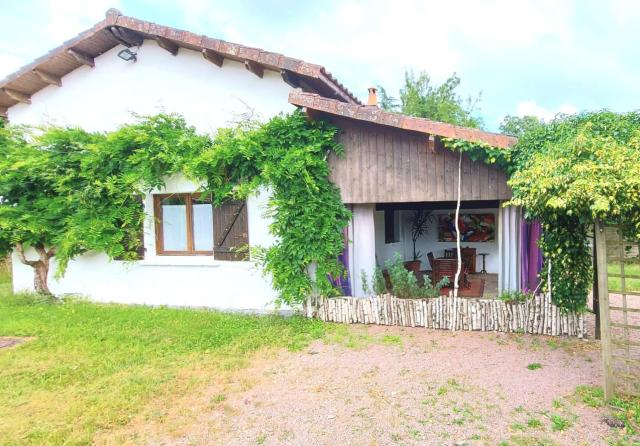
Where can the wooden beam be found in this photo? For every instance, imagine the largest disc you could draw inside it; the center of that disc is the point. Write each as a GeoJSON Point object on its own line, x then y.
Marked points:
{"type": "Point", "coordinates": [126, 37]}
{"type": "Point", "coordinates": [213, 57]}
{"type": "Point", "coordinates": [289, 79]}
{"type": "Point", "coordinates": [254, 67]}
{"type": "Point", "coordinates": [81, 57]}
{"type": "Point", "coordinates": [49, 78]}
{"type": "Point", "coordinates": [168, 45]}
{"type": "Point", "coordinates": [18, 96]}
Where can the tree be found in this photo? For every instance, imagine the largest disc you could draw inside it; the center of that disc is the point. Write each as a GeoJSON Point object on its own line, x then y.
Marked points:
{"type": "Point", "coordinates": [517, 126]}
{"type": "Point", "coordinates": [34, 211]}
{"type": "Point", "coordinates": [420, 97]}
{"type": "Point", "coordinates": [570, 172]}
{"type": "Point", "coordinates": [64, 191]}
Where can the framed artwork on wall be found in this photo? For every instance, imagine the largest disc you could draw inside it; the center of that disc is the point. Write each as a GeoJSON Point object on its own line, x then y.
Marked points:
{"type": "Point", "coordinates": [473, 227]}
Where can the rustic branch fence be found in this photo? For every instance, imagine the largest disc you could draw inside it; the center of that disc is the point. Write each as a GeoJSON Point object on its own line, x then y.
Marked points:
{"type": "Point", "coordinates": [537, 315]}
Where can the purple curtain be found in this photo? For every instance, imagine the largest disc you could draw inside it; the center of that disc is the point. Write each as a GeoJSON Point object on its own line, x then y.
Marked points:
{"type": "Point", "coordinates": [531, 263]}
{"type": "Point", "coordinates": [344, 282]}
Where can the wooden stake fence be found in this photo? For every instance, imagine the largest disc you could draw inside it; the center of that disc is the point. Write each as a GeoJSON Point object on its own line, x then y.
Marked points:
{"type": "Point", "coordinates": [537, 315]}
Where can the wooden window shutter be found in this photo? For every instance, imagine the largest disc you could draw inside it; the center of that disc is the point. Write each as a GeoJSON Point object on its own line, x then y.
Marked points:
{"type": "Point", "coordinates": [230, 230]}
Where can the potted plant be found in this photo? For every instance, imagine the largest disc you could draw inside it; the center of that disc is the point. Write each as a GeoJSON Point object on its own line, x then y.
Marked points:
{"type": "Point", "coordinates": [419, 221]}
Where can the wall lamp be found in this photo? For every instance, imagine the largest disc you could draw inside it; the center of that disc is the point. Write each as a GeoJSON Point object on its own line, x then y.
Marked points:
{"type": "Point", "coordinates": [127, 55]}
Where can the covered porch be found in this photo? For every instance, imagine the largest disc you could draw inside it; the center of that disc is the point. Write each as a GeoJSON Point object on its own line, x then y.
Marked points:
{"type": "Point", "coordinates": [395, 165]}
{"type": "Point", "coordinates": [434, 254]}
{"type": "Point", "coordinates": [492, 244]}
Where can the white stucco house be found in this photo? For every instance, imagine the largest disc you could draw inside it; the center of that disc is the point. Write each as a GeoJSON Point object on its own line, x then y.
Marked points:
{"type": "Point", "coordinates": [88, 83]}
{"type": "Point", "coordinates": [394, 165]}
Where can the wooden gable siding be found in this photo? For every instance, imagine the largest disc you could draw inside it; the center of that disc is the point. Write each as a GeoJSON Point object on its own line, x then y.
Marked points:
{"type": "Point", "coordinates": [386, 165]}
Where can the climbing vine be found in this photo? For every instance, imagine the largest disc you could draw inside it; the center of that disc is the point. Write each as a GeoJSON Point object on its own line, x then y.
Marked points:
{"type": "Point", "coordinates": [72, 191]}
{"type": "Point", "coordinates": [570, 172]}
{"type": "Point", "coordinates": [288, 156]}
{"type": "Point", "coordinates": [65, 191]}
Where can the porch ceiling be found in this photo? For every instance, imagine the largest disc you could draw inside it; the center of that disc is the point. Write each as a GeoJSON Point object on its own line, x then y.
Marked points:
{"type": "Point", "coordinates": [439, 205]}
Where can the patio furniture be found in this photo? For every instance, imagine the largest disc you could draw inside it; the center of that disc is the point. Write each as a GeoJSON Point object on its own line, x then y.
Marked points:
{"type": "Point", "coordinates": [432, 260]}
{"type": "Point", "coordinates": [484, 259]}
{"type": "Point", "coordinates": [468, 257]}
{"type": "Point", "coordinates": [450, 254]}
{"type": "Point", "coordinates": [446, 267]}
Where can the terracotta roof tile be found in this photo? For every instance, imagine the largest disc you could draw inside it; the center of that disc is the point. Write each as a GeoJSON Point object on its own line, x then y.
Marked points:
{"type": "Point", "coordinates": [99, 39]}
{"type": "Point", "coordinates": [375, 115]}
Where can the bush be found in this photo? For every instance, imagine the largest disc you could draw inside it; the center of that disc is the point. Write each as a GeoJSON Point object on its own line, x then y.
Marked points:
{"type": "Point", "coordinates": [404, 283]}
{"type": "Point", "coordinates": [515, 296]}
{"type": "Point", "coordinates": [379, 284]}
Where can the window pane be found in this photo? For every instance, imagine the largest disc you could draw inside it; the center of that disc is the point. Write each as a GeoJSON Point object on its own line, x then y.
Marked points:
{"type": "Point", "coordinates": [202, 225]}
{"type": "Point", "coordinates": [174, 224]}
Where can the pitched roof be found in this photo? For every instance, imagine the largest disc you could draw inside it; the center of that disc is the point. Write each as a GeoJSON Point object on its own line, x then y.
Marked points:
{"type": "Point", "coordinates": [375, 115]}
{"type": "Point", "coordinates": [118, 29]}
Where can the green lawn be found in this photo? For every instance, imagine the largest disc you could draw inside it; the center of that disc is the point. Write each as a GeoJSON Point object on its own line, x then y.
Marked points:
{"type": "Point", "coordinates": [91, 368]}
{"type": "Point", "coordinates": [632, 269]}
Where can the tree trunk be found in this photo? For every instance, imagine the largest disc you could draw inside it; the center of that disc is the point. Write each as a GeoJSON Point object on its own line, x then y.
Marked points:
{"type": "Point", "coordinates": [40, 273]}
{"type": "Point", "coordinates": [40, 266]}
{"type": "Point", "coordinates": [456, 281]}
{"type": "Point", "coordinates": [596, 293]}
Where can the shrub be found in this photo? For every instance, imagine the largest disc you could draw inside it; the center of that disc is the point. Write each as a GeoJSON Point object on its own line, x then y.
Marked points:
{"type": "Point", "coordinates": [379, 284]}
{"type": "Point", "coordinates": [515, 296]}
{"type": "Point", "coordinates": [404, 283]}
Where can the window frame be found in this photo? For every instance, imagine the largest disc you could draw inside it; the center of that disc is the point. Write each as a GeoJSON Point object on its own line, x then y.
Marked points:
{"type": "Point", "coordinates": [157, 215]}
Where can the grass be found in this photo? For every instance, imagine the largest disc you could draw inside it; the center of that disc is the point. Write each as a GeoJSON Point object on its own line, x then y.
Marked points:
{"type": "Point", "coordinates": [632, 269]}
{"type": "Point", "coordinates": [625, 409]}
{"type": "Point", "coordinates": [534, 366]}
{"type": "Point", "coordinates": [92, 368]}
{"type": "Point", "coordinates": [559, 423]}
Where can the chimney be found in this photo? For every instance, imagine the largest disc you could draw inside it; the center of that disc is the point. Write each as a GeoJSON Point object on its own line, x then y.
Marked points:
{"type": "Point", "coordinates": [373, 96]}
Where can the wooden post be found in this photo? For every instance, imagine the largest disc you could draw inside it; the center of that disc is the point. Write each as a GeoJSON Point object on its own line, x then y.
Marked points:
{"type": "Point", "coordinates": [605, 320]}
{"type": "Point", "coordinates": [596, 297]}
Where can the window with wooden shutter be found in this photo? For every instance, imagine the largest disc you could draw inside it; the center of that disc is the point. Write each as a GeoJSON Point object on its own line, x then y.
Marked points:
{"type": "Point", "coordinates": [231, 231]}
{"type": "Point", "coordinates": [188, 224]}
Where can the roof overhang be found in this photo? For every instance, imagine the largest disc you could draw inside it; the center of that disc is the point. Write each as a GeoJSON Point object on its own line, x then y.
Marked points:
{"type": "Point", "coordinates": [117, 29]}
{"type": "Point", "coordinates": [374, 115]}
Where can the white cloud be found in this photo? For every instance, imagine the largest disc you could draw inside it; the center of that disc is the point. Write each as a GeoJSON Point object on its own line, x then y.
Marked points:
{"type": "Point", "coordinates": [30, 31]}
{"type": "Point", "coordinates": [376, 41]}
{"type": "Point", "coordinates": [66, 18]}
{"type": "Point", "coordinates": [541, 50]}
{"type": "Point", "coordinates": [531, 108]}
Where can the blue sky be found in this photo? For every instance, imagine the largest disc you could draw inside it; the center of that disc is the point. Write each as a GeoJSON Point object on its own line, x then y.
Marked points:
{"type": "Point", "coordinates": [526, 57]}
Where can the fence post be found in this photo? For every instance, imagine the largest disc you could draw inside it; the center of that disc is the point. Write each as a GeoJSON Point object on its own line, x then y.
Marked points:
{"type": "Point", "coordinates": [605, 320]}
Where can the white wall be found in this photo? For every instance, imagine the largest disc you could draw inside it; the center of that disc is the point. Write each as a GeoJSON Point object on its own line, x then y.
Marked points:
{"type": "Point", "coordinates": [103, 97]}
{"type": "Point", "coordinates": [429, 242]}
{"type": "Point", "coordinates": [167, 280]}
{"type": "Point", "coordinates": [209, 97]}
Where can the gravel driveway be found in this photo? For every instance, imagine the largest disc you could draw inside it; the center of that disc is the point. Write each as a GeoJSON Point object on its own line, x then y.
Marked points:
{"type": "Point", "coordinates": [389, 385]}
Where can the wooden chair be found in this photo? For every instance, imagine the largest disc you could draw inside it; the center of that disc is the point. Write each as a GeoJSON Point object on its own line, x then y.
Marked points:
{"type": "Point", "coordinates": [450, 254]}
{"type": "Point", "coordinates": [469, 259]}
{"type": "Point", "coordinates": [448, 268]}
